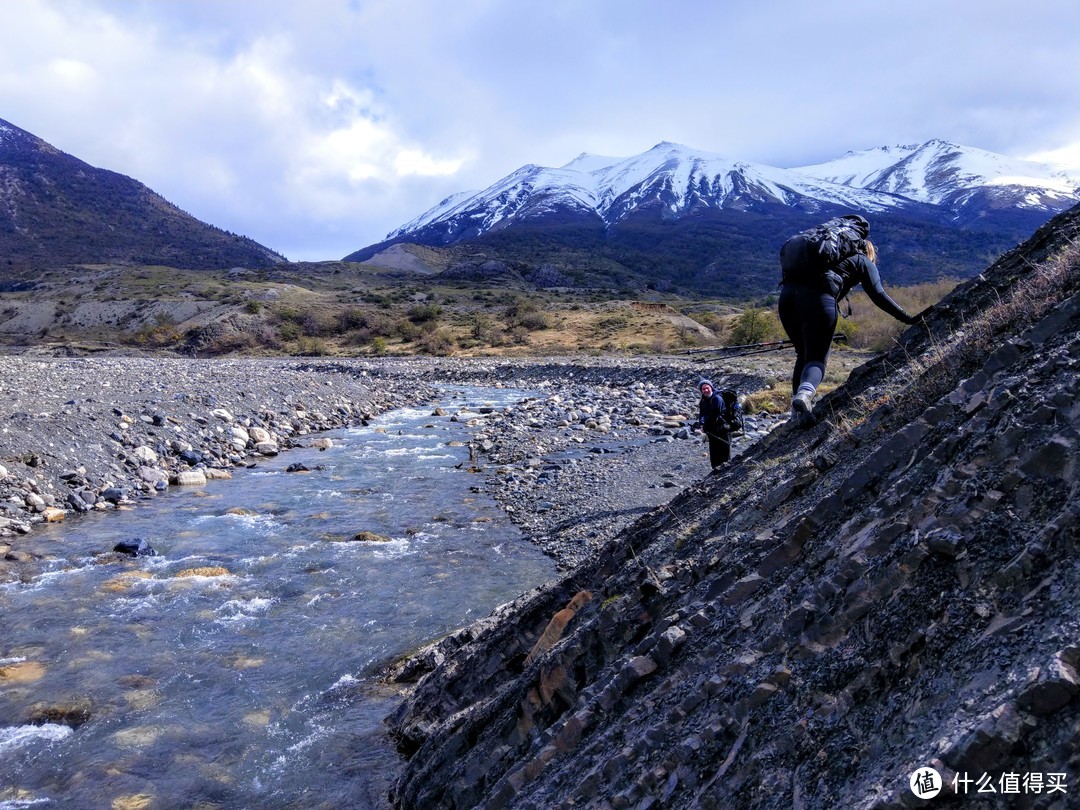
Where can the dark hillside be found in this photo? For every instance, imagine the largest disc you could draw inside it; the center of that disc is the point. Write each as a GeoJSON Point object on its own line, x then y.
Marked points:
{"type": "Point", "coordinates": [894, 589]}
{"type": "Point", "coordinates": [728, 253]}
{"type": "Point", "coordinates": [56, 210]}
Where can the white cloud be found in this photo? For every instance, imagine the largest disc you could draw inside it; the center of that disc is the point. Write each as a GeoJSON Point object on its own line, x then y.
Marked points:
{"type": "Point", "coordinates": [413, 161]}
{"type": "Point", "coordinates": [316, 128]}
{"type": "Point", "coordinates": [75, 75]}
{"type": "Point", "coordinates": [247, 138]}
{"type": "Point", "coordinates": [356, 151]}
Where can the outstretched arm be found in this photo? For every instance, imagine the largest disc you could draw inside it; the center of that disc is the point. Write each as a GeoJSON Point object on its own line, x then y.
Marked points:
{"type": "Point", "coordinates": [871, 282]}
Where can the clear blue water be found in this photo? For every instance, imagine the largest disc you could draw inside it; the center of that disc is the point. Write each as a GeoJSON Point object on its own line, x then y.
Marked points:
{"type": "Point", "coordinates": [255, 689]}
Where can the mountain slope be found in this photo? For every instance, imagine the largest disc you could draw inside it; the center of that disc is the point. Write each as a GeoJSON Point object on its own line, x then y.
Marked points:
{"type": "Point", "coordinates": [56, 210]}
{"type": "Point", "coordinates": [892, 590]}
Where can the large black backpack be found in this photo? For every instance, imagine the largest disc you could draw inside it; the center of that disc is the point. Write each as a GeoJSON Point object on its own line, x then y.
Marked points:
{"type": "Point", "coordinates": [731, 411]}
{"type": "Point", "coordinates": [809, 254]}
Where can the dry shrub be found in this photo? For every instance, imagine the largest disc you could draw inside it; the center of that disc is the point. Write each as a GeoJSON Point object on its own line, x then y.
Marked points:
{"type": "Point", "coordinates": [228, 342]}
{"type": "Point", "coordinates": [438, 342]}
{"type": "Point", "coordinates": [534, 321]}
{"type": "Point", "coordinates": [158, 336]}
{"type": "Point", "coordinates": [755, 325]}
{"type": "Point", "coordinates": [711, 321]}
{"type": "Point", "coordinates": [319, 324]}
{"type": "Point", "coordinates": [869, 328]}
{"type": "Point", "coordinates": [311, 347]}
{"type": "Point", "coordinates": [425, 313]}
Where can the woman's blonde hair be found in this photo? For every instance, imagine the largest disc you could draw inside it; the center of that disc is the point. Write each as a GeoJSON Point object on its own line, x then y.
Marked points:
{"type": "Point", "coordinates": [867, 247]}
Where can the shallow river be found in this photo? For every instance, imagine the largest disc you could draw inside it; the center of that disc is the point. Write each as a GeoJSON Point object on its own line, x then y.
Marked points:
{"type": "Point", "coordinates": [256, 688]}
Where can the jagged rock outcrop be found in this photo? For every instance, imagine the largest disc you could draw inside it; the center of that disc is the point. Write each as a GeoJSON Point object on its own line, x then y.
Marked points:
{"type": "Point", "coordinates": [894, 589]}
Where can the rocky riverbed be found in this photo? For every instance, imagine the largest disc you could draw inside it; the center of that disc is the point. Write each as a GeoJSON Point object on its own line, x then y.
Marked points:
{"type": "Point", "coordinates": [80, 434]}
{"type": "Point", "coordinates": [573, 468]}
{"type": "Point", "coordinates": [602, 441]}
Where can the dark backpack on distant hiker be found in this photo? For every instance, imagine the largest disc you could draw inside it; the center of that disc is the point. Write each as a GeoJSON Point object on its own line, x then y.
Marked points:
{"type": "Point", "coordinates": [732, 410]}
{"type": "Point", "coordinates": [809, 255]}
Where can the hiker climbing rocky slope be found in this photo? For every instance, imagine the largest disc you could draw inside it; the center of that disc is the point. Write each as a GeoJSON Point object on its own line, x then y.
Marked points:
{"type": "Point", "coordinates": [893, 589]}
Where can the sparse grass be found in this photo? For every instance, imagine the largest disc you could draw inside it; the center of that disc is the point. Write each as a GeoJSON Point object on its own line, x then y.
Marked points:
{"type": "Point", "coordinates": [768, 400]}
{"type": "Point", "coordinates": [928, 377]}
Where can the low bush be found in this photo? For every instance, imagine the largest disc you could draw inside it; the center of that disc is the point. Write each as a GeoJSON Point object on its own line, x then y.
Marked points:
{"type": "Point", "coordinates": [407, 330]}
{"type": "Point", "coordinates": [424, 313]}
{"type": "Point", "coordinates": [534, 321]}
{"type": "Point", "coordinates": [311, 347]}
{"type": "Point", "coordinates": [438, 342]}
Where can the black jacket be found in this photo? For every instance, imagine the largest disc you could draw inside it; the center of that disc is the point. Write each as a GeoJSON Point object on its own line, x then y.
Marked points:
{"type": "Point", "coordinates": [711, 415]}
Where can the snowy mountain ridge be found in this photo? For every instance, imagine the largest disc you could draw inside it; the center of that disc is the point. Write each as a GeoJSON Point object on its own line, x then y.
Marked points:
{"type": "Point", "coordinates": [942, 173]}
{"type": "Point", "coordinates": [677, 180]}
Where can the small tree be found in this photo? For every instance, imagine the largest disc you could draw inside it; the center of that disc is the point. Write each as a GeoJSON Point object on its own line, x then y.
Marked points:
{"type": "Point", "coordinates": [755, 326]}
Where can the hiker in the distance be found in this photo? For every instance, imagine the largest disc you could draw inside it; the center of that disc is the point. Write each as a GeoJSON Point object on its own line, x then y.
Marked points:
{"type": "Point", "coordinates": [716, 420]}
{"type": "Point", "coordinates": [820, 267]}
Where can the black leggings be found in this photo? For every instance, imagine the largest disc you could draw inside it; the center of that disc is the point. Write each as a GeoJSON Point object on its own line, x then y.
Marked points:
{"type": "Point", "coordinates": [809, 318]}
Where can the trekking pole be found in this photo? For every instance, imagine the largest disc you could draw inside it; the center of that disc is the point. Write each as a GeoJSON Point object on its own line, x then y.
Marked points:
{"type": "Point", "coordinates": [771, 346]}
{"type": "Point", "coordinates": [742, 353]}
{"type": "Point", "coordinates": [734, 429]}
{"type": "Point", "coordinates": [733, 348]}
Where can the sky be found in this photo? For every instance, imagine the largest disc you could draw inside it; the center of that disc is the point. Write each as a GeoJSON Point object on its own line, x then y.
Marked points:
{"type": "Point", "coordinates": [316, 128]}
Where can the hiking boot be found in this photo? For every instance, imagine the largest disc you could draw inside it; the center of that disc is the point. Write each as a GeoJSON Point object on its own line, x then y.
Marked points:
{"type": "Point", "coordinates": [800, 404]}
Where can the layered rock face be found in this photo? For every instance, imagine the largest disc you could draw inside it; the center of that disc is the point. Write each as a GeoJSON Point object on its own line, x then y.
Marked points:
{"type": "Point", "coordinates": [892, 590]}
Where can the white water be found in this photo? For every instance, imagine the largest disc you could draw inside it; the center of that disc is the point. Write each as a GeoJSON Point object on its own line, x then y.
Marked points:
{"type": "Point", "coordinates": [256, 688]}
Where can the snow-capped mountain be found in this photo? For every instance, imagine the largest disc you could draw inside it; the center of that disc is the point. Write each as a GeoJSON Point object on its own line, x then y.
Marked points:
{"type": "Point", "coordinates": [670, 178]}
{"type": "Point", "coordinates": [679, 217]}
{"type": "Point", "coordinates": [674, 181]}
{"type": "Point", "coordinates": [945, 174]}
